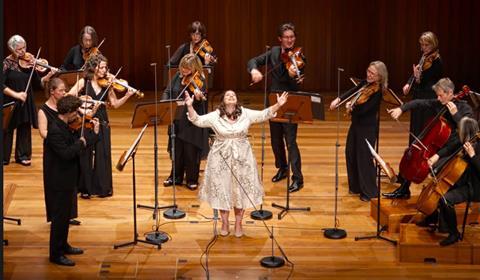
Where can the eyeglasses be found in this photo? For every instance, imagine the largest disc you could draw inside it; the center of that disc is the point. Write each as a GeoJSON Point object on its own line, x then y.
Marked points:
{"type": "Point", "coordinates": [288, 37]}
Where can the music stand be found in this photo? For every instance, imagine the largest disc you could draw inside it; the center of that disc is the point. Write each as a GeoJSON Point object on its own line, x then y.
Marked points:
{"type": "Point", "coordinates": [298, 109]}
{"type": "Point", "coordinates": [122, 161]}
{"type": "Point", "coordinates": [156, 113]}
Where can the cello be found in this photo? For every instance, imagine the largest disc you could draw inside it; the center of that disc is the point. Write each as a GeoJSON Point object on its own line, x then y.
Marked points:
{"type": "Point", "coordinates": [414, 165]}
{"type": "Point", "coordinates": [437, 187]}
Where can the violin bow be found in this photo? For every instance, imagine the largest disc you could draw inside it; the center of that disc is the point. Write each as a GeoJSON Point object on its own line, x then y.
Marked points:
{"type": "Point", "coordinates": [31, 72]}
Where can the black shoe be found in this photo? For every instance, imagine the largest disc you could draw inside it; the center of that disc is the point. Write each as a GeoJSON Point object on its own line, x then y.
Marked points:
{"type": "Point", "coordinates": [85, 196]}
{"type": "Point", "coordinates": [281, 174]}
{"type": "Point", "coordinates": [192, 186]}
{"type": "Point", "coordinates": [401, 192]}
{"type": "Point", "coordinates": [451, 239]}
{"type": "Point", "coordinates": [295, 186]}
{"type": "Point", "coordinates": [74, 222]}
{"type": "Point", "coordinates": [169, 182]}
{"type": "Point", "coordinates": [364, 198]}
{"type": "Point", "coordinates": [62, 260]}
{"type": "Point", "coordinates": [73, 251]}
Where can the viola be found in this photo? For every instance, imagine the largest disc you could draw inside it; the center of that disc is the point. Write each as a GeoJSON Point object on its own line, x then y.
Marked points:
{"type": "Point", "coordinates": [365, 94]}
{"type": "Point", "coordinates": [424, 64]}
{"type": "Point", "coordinates": [438, 186]}
{"type": "Point", "coordinates": [193, 82]}
{"type": "Point", "coordinates": [81, 122]}
{"type": "Point", "coordinates": [28, 60]}
{"type": "Point", "coordinates": [294, 58]}
{"type": "Point", "coordinates": [203, 49]}
{"type": "Point", "coordinates": [414, 163]}
{"type": "Point", "coordinates": [89, 52]}
{"type": "Point", "coordinates": [119, 86]}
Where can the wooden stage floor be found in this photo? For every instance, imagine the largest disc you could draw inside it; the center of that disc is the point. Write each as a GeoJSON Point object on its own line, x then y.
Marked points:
{"type": "Point", "coordinates": [108, 221]}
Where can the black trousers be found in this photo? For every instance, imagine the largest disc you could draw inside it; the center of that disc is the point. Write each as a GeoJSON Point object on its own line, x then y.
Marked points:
{"type": "Point", "coordinates": [281, 134]}
{"type": "Point", "coordinates": [361, 170]}
{"type": "Point", "coordinates": [23, 143]}
{"type": "Point", "coordinates": [187, 161]}
{"type": "Point", "coordinates": [62, 204]}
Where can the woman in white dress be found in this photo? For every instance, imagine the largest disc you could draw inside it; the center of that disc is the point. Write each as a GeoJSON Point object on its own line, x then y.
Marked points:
{"type": "Point", "coordinates": [231, 176]}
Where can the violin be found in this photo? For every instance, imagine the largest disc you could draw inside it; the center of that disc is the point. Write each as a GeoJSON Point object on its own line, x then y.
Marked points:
{"type": "Point", "coordinates": [203, 49]}
{"type": "Point", "coordinates": [81, 122]}
{"type": "Point", "coordinates": [414, 165]}
{"type": "Point", "coordinates": [294, 58]}
{"type": "Point", "coordinates": [424, 64]}
{"type": "Point", "coordinates": [193, 82]}
{"type": "Point", "coordinates": [366, 93]}
{"type": "Point", "coordinates": [119, 86]}
{"type": "Point", "coordinates": [28, 60]}
{"type": "Point", "coordinates": [88, 53]}
{"type": "Point", "coordinates": [437, 187]}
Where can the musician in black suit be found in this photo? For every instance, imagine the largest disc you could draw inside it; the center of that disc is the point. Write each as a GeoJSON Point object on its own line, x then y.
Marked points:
{"type": "Point", "coordinates": [62, 150]}
{"type": "Point", "coordinates": [282, 79]}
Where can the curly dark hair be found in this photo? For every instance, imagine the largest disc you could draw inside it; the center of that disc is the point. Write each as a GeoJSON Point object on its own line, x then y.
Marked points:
{"type": "Point", "coordinates": [68, 104]}
{"type": "Point", "coordinates": [223, 110]}
{"type": "Point", "coordinates": [91, 64]}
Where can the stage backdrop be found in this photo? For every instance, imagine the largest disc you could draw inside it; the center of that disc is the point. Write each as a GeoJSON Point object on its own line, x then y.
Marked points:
{"type": "Point", "coordinates": [333, 33]}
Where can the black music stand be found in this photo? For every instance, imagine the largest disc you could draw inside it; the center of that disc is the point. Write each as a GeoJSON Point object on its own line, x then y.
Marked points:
{"type": "Point", "coordinates": [130, 153]}
{"type": "Point", "coordinates": [156, 113]}
{"type": "Point", "coordinates": [298, 109]}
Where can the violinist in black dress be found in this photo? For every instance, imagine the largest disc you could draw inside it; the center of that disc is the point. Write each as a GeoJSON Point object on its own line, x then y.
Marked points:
{"type": "Point", "coordinates": [24, 115]}
{"type": "Point", "coordinates": [62, 151]}
{"type": "Point", "coordinates": [361, 170]}
{"type": "Point", "coordinates": [75, 57]}
{"type": "Point", "coordinates": [96, 162]}
{"type": "Point", "coordinates": [197, 45]}
{"type": "Point", "coordinates": [283, 135]}
{"type": "Point", "coordinates": [191, 142]}
{"type": "Point", "coordinates": [420, 84]}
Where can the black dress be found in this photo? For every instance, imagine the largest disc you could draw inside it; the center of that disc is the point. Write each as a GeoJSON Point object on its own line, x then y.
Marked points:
{"type": "Point", "coordinates": [361, 170]}
{"type": "Point", "coordinates": [52, 115]}
{"type": "Point", "coordinates": [74, 59]}
{"type": "Point", "coordinates": [423, 90]}
{"type": "Point", "coordinates": [281, 132]}
{"type": "Point", "coordinates": [96, 162]}
{"type": "Point", "coordinates": [191, 142]}
{"type": "Point", "coordinates": [24, 115]}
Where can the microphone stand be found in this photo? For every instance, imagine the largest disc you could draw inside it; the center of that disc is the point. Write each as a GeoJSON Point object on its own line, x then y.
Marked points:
{"type": "Point", "coordinates": [156, 236]}
{"type": "Point", "coordinates": [173, 212]}
{"type": "Point", "coordinates": [263, 214]}
{"type": "Point", "coordinates": [336, 233]}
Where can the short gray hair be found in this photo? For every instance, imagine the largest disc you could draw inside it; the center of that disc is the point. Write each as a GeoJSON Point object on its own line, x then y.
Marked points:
{"type": "Point", "coordinates": [14, 41]}
{"type": "Point", "coordinates": [445, 83]}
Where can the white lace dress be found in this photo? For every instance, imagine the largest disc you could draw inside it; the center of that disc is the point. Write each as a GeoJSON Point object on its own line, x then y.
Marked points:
{"type": "Point", "coordinates": [231, 164]}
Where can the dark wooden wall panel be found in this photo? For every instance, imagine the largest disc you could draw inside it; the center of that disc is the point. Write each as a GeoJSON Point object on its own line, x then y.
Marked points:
{"type": "Point", "coordinates": [344, 33]}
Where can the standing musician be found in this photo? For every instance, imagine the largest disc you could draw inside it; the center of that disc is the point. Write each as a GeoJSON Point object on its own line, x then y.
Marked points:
{"type": "Point", "coordinates": [16, 78]}
{"type": "Point", "coordinates": [198, 45]}
{"type": "Point", "coordinates": [467, 188]}
{"type": "Point", "coordinates": [365, 125]}
{"type": "Point", "coordinates": [458, 109]}
{"type": "Point", "coordinates": [96, 164]}
{"type": "Point", "coordinates": [425, 75]}
{"type": "Point", "coordinates": [283, 79]}
{"type": "Point", "coordinates": [75, 58]}
{"type": "Point", "coordinates": [62, 151]}
{"type": "Point", "coordinates": [47, 114]}
{"type": "Point", "coordinates": [191, 142]}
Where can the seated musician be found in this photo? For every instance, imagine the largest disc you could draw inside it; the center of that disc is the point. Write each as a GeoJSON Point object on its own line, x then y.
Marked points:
{"type": "Point", "coordinates": [458, 109]}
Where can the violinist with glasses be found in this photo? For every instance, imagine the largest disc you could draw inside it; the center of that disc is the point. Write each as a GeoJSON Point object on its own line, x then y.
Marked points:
{"type": "Point", "coordinates": [286, 67]}
{"type": "Point", "coordinates": [425, 74]}
{"type": "Point", "coordinates": [198, 45]}
{"type": "Point", "coordinates": [78, 54]}
{"type": "Point", "coordinates": [19, 81]}
{"type": "Point", "coordinates": [191, 142]}
{"type": "Point", "coordinates": [363, 103]}
{"type": "Point", "coordinates": [96, 162]}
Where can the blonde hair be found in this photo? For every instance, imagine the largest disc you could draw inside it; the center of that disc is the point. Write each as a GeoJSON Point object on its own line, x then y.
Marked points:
{"type": "Point", "coordinates": [192, 62]}
{"type": "Point", "coordinates": [445, 83]}
{"type": "Point", "coordinates": [382, 72]}
{"type": "Point", "coordinates": [429, 38]}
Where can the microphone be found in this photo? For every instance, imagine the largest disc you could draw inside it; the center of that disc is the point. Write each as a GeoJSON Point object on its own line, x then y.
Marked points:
{"type": "Point", "coordinates": [153, 64]}
{"type": "Point", "coordinates": [167, 46]}
{"type": "Point", "coordinates": [215, 214]}
{"type": "Point", "coordinates": [340, 69]}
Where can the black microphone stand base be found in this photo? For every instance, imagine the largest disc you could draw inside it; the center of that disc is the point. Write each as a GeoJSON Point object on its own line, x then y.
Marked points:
{"type": "Point", "coordinates": [132, 243]}
{"type": "Point", "coordinates": [335, 233]}
{"type": "Point", "coordinates": [174, 214]}
{"type": "Point", "coordinates": [272, 262]}
{"type": "Point", "coordinates": [157, 237]}
{"type": "Point", "coordinates": [377, 236]}
{"type": "Point", "coordinates": [287, 208]}
{"type": "Point", "coordinates": [261, 215]}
